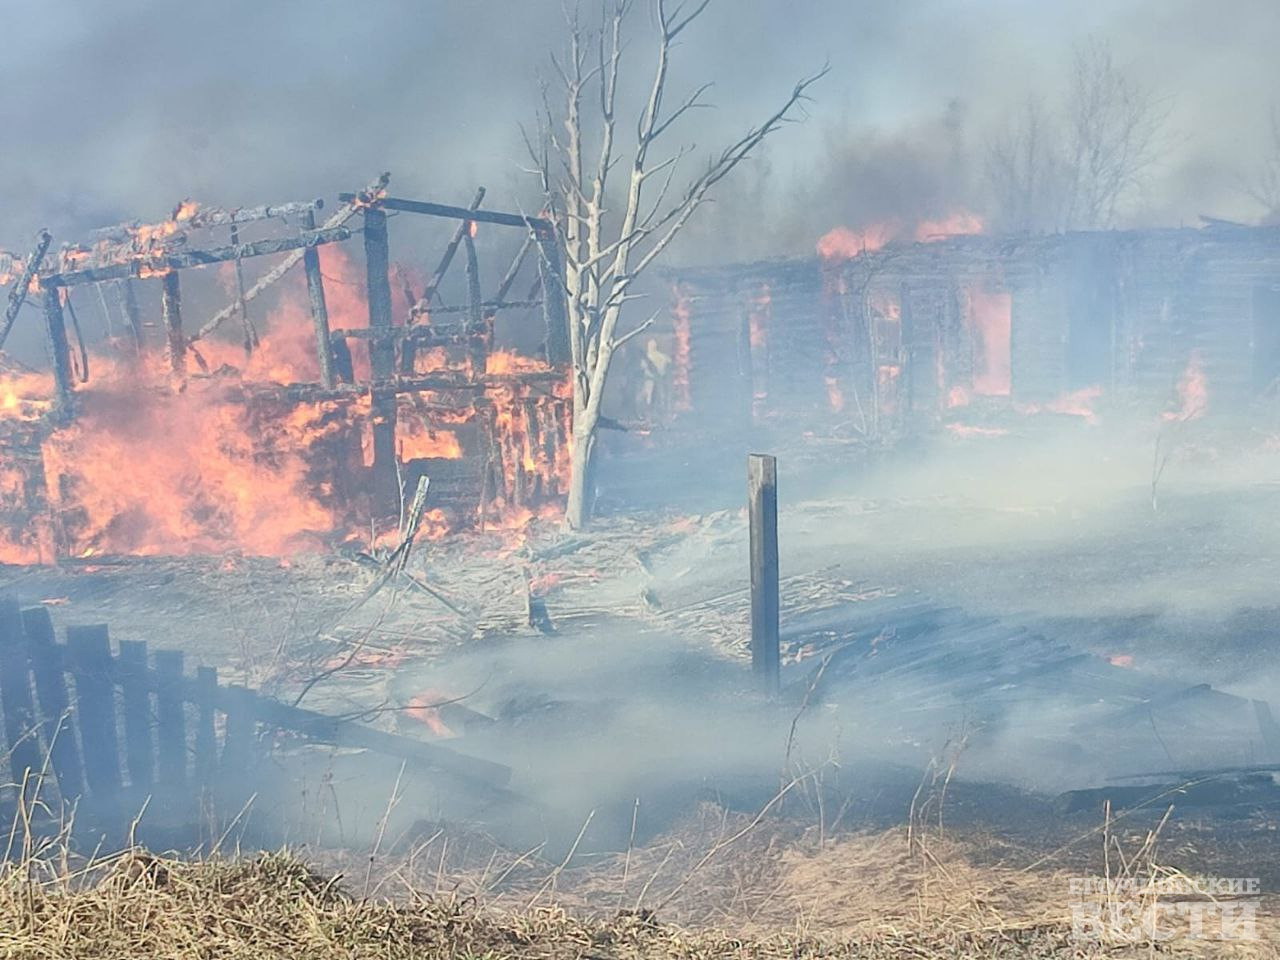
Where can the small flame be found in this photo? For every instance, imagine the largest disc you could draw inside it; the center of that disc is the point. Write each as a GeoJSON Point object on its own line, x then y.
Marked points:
{"type": "Point", "coordinates": [1193, 392]}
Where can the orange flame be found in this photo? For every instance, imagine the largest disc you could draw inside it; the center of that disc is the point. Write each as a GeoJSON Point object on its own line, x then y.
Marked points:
{"type": "Point", "coordinates": [1193, 392]}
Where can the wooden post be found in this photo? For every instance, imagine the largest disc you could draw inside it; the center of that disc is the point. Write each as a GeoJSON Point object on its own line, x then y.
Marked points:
{"type": "Point", "coordinates": [51, 692]}
{"type": "Point", "coordinates": [171, 310]}
{"type": "Point", "coordinates": [55, 328]}
{"type": "Point", "coordinates": [172, 721]}
{"type": "Point", "coordinates": [139, 757]}
{"type": "Point", "coordinates": [319, 309]}
{"type": "Point", "coordinates": [89, 650]}
{"type": "Point", "coordinates": [477, 338]}
{"type": "Point", "coordinates": [762, 506]}
{"type": "Point", "coordinates": [555, 311]}
{"type": "Point", "coordinates": [20, 728]}
{"type": "Point", "coordinates": [250, 335]}
{"type": "Point", "coordinates": [206, 736]}
{"type": "Point", "coordinates": [242, 723]}
{"type": "Point", "coordinates": [382, 360]}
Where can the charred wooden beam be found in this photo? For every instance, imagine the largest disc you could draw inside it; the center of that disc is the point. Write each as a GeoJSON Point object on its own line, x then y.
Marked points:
{"type": "Point", "coordinates": [382, 361]}
{"type": "Point", "coordinates": [538, 224]}
{"type": "Point", "coordinates": [319, 309]}
{"type": "Point", "coordinates": [171, 311]}
{"type": "Point", "coordinates": [147, 266]}
{"type": "Point", "coordinates": [762, 508]}
{"type": "Point", "coordinates": [18, 295]}
{"type": "Point", "coordinates": [206, 217]}
{"type": "Point", "coordinates": [555, 310]}
{"type": "Point", "coordinates": [55, 328]}
{"type": "Point", "coordinates": [439, 383]}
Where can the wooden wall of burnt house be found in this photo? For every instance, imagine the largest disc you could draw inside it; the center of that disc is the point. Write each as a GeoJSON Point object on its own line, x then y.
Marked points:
{"type": "Point", "coordinates": [1233, 317]}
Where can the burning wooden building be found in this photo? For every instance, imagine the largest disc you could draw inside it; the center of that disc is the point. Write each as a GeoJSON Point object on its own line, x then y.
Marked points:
{"type": "Point", "coordinates": [897, 339]}
{"type": "Point", "coordinates": [169, 436]}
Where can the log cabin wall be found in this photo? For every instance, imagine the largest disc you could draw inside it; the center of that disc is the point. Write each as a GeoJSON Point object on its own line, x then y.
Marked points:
{"type": "Point", "coordinates": [892, 339]}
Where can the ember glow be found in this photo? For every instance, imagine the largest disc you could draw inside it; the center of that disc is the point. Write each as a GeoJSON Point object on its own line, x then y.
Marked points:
{"type": "Point", "coordinates": [1193, 392]}
{"type": "Point", "coordinates": [991, 321]}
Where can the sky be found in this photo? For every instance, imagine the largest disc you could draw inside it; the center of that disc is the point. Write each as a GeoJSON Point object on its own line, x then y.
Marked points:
{"type": "Point", "coordinates": [118, 110]}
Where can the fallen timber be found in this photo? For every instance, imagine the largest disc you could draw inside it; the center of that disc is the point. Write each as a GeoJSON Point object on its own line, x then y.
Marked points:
{"type": "Point", "coordinates": [144, 266]}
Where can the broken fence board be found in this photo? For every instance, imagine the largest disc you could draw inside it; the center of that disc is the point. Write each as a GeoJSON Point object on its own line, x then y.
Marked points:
{"type": "Point", "coordinates": [20, 728]}
{"type": "Point", "coordinates": [51, 693]}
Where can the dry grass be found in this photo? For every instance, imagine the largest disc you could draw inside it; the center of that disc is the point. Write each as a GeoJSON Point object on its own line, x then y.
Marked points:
{"type": "Point", "coordinates": [139, 906]}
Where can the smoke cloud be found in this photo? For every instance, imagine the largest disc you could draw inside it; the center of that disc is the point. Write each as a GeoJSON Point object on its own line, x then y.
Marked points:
{"type": "Point", "coordinates": [117, 111]}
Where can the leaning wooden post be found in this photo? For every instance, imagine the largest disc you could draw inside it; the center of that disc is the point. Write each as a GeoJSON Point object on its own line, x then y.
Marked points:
{"type": "Point", "coordinates": [319, 309]}
{"type": "Point", "coordinates": [762, 506]}
{"type": "Point", "coordinates": [382, 362]}
{"type": "Point", "coordinates": [55, 328]}
{"type": "Point", "coordinates": [171, 309]}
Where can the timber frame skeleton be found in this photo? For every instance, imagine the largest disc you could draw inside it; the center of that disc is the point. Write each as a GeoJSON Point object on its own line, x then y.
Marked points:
{"type": "Point", "coordinates": [122, 256]}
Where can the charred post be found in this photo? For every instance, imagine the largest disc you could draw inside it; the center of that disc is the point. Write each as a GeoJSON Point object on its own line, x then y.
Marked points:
{"type": "Point", "coordinates": [382, 357]}
{"type": "Point", "coordinates": [171, 311]}
{"type": "Point", "coordinates": [477, 334]}
{"type": "Point", "coordinates": [762, 508]}
{"type": "Point", "coordinates": [55, 328]}
{"type": "Point", "coordinates": [555, 310]}
{"type": "Point", "coordinates": [319, 309]}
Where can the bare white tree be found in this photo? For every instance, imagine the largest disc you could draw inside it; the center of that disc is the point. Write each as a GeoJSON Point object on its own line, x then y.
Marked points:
{"type": "Point", "coordinates": [612, 231]}
{"type": "Point", "coordinates": [1079, 169]}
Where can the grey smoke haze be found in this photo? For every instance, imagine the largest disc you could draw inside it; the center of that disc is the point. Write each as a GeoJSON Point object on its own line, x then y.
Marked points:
{"type": "Point", "coordinates": [118, 110]}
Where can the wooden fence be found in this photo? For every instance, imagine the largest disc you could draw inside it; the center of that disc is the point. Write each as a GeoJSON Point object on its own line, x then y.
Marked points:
{"type": "Point", "coordinates": [107, 726]}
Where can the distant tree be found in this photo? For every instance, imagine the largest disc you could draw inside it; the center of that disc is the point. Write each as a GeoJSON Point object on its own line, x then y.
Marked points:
{"type": "Point", "coordinates": [1079, 167]}
{"type": "Point", "coordinates": [1264, 185]}
{"type": "Point", "coordinates": [1024, 172]}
